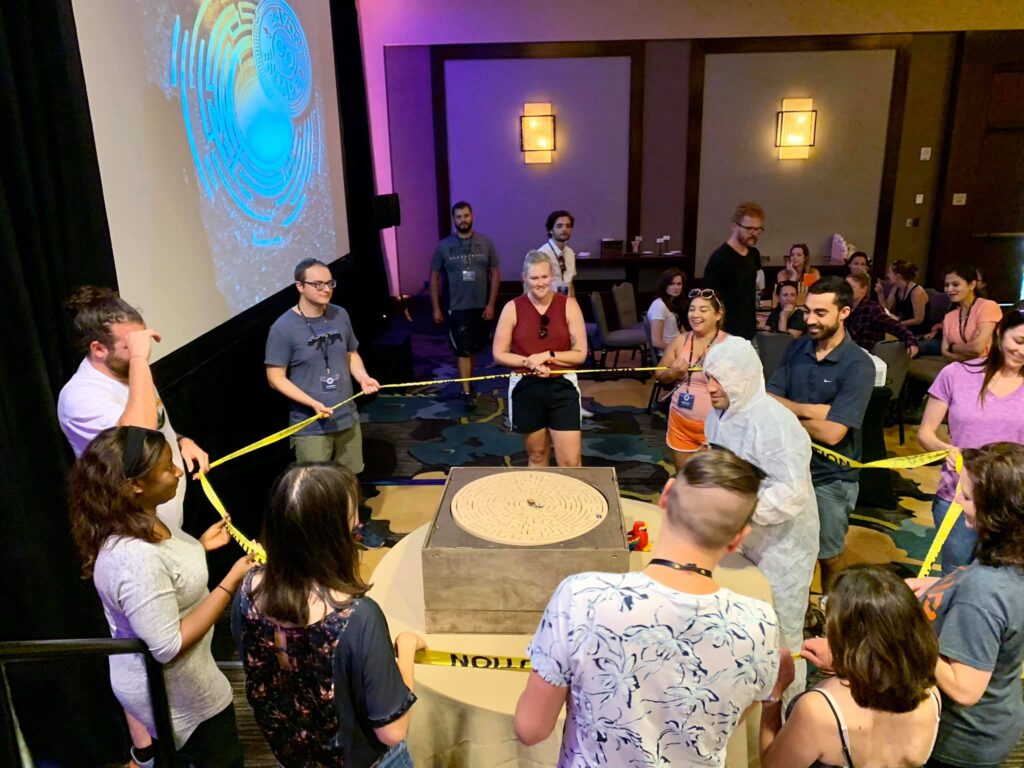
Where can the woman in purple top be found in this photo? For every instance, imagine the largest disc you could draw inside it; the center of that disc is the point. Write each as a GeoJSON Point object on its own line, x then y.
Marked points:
{"type": "Point", "coordinates": [984, 400]}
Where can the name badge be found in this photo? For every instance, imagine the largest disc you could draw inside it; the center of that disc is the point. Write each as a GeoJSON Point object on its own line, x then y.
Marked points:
{"type": "Point", "coordinates": [469, 276]}
{"type": "Point", "coordinates": [329, 383]}
{"type": "Point", "coordinates": [685, 401]}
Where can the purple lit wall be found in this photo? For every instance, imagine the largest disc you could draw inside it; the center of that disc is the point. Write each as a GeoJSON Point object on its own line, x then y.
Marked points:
{"type": "Point", "coordinates": [590, 98]}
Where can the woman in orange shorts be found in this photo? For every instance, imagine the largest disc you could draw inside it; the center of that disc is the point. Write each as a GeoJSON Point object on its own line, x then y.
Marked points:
{"type": "Point", "coordinates": [690, 402]}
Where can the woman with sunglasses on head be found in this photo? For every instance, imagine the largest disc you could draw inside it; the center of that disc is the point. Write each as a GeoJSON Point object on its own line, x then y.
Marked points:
{"type": "Point", "coordinates": [667, 313]}
{"type": "Point", "coordinates": [321, 673]}
{"type": "Point", "coordinates": [982, 400]}
{"type": "Point", "coordinates": [881, 708]}
{"type": "Point", "coordinates": [541, 337]}
{"type": "Point", "coordinates": [683, 361]}
{"type": "Point", "coordinates": [152, 581]}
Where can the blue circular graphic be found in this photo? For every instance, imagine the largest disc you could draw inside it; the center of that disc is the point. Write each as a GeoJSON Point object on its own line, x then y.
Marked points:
{"type": "Point", "coordinates": [244, 78]}
{"type": "Point", "coordinates": [282, 56]}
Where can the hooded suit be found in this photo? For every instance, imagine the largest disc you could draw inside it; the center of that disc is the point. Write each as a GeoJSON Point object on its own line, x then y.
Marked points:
{"type": "Point", "coordinates": [783, 542]}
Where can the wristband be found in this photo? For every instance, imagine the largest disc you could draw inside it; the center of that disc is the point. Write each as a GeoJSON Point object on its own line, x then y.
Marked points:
{"type": "Point", "coordinates": [230, 593]}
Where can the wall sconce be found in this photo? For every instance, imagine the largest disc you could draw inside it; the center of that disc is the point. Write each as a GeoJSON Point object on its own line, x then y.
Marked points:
{"type": "Point", "coordinates": [794, 129]}
{"type": "Point", "coordinates": [537, 133]}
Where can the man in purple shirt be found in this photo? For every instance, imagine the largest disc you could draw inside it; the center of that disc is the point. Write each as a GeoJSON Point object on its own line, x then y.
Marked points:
{"type": "Point", "coordinates": [868, 322]}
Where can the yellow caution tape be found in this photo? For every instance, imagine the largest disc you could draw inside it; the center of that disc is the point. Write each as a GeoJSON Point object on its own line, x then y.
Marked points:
{"type": "Point", "coordinates": [472, 661]}
{"type": "Point", "coordinates": [250, 547]}
{"type": "Point", "coordinates": [952, 514]}
{"type": "Point", "coordinates": [253, 548]}
{"type": "Point", "coordinates": [458, 660]}
{"type": "Point", "coordinates": [897, 462]}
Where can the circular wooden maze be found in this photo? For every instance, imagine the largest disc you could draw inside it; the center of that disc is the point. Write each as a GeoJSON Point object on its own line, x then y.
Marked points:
{"type": "Point", "coordinates": [528, 508]}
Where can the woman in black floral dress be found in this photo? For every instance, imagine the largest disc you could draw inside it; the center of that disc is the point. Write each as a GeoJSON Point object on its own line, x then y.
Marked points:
{"type": "Point", "coordinates": [321, 673]}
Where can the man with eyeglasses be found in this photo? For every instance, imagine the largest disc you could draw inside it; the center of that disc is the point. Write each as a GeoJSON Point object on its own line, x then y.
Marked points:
{"type": "Point", "coordinates": [469, 262]}
{"type": "Point", "coordinates": [732, 270]}
{"type": "Point", "coordinates": [311, 359]}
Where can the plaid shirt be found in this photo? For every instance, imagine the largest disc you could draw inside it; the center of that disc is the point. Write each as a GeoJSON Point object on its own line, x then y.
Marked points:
{"type": "Point", "coordinates": [868, 323]}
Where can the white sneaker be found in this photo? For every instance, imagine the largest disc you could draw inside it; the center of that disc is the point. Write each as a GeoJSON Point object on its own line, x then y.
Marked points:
{"type": "Point", "coordinates": [585, 413]}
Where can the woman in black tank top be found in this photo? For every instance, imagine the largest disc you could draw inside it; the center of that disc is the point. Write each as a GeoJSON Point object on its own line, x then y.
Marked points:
{"type": "Point", "coordinates": [907, 300]}
{"type": "Point", "coordinates": [882, 706]}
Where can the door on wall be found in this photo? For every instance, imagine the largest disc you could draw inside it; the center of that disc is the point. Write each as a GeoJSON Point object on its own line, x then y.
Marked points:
{"type": "Point", "coordinates": [981, 216]}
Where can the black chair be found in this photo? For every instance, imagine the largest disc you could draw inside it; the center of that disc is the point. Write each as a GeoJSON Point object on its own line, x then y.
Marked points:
{"type": "Point", "coordinates": [657, 385]}
{"type": "Point", "coordinates": [615, 341]}
{"type": "Point", "coordinates": [770, 348]}
{"type": "Point", "coordinates": [897, 361]}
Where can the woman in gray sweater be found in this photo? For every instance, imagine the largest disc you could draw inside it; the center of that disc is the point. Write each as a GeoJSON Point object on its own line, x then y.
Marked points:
{"type": "Point", "coordinates": [152, 580]}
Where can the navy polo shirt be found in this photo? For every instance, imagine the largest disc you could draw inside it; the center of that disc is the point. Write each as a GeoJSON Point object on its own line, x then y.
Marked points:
{"type": "Point", "coordinates": [844, 379]}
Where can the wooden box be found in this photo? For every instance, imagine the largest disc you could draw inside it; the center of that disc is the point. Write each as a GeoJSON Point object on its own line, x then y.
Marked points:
{"type": "Point", "coordinates": [475, 586]}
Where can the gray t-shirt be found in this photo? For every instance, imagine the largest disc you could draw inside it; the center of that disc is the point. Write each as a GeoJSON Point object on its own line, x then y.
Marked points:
{"type": "Point", "coordinates": [146, 590]}
{"type": "Point", "coordinates": [300, 345]}
{"type": "Point", "coordinates": [978, 615]}
{"type": "Point", "coordinates": [466, 265]}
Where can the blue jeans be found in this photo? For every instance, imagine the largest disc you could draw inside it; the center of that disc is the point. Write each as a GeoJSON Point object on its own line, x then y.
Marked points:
{"type": "Point", "coordinates": [396, 757]}
{"type": "Point", "coordinates": [836, 501]}
{"type": "Point", "coordinates": [958, 548]}
{"type": "Point", "coordinates": [930, 346]}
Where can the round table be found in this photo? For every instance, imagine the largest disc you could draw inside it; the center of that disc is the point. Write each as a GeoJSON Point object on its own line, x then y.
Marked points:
{"type": "Point", "coordinates": [464, 717]}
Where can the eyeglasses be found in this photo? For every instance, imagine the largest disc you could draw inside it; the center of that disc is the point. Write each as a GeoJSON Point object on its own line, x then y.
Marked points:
{"type": "Point", "coordinates": [543, 332]}
{"type": "Point", "coordinates": [320, 285]}
{"type": "Point", "coordinates": [755, 230]}
{"type": "Point", "coordinates": [702, 293]}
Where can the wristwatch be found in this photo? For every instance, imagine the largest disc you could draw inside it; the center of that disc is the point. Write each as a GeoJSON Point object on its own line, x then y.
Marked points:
{"type": "Point", "coordinates": [771, 699]}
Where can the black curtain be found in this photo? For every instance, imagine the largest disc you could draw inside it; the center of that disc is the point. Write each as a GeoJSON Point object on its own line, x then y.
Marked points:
{"type": "Point", "coordinates": [53, 237]}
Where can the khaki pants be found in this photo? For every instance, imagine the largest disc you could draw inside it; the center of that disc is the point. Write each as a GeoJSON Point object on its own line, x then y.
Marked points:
{"type": "Point", "coordinates": [344, 447]}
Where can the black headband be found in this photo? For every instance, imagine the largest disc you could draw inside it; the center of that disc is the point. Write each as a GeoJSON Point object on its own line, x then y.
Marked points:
{"type": "Point", "coordinates": [135, 438]}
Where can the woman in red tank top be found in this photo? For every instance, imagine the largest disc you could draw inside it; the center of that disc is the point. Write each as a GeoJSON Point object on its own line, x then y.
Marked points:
{"type": "Point", "coordinates": [540, 335]}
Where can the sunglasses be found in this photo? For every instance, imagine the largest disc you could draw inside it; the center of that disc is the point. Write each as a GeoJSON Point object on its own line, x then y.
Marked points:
{"type": "Point", "coordinates": [702, 293]}
{"type": "Point", "coordinates": [543, 332]}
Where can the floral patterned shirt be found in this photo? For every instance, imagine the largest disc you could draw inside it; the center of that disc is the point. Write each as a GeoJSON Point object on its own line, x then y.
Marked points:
{"type": "Point", "coordinates": [319, 691]}
{"type": "Point", "coordinates": [656, 676]}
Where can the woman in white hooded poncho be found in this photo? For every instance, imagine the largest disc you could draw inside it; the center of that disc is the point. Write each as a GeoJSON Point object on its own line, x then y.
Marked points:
{"type": "Point", "coordinates": [783, 542]}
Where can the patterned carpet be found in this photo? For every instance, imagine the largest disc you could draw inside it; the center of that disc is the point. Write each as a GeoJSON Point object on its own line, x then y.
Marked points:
{"type": "Point", "coordinates": [423, 432]}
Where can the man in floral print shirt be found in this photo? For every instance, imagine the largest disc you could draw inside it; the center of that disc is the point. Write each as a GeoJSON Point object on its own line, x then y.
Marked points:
{"type": "Point", "coordinates": [658, 667]}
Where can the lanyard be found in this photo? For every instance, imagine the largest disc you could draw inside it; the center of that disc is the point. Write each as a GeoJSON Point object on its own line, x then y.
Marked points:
{"type": "Point", "coordinates": [965, 320]}
{"type": "Point", "coordinates": [560, 255]}
{"type": "Point", "coordinates": [700, 360]}
{"type": "Point", "coordinates": [321, 339]}
{"type": "Point", "coordinates": [689, 567]}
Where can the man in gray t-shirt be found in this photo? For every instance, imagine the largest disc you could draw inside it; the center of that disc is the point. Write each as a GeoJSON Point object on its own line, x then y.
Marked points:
{"type": "Point", "coordinates": [470, 266]}
{"type": "Point", "coordinates": [311, 359]}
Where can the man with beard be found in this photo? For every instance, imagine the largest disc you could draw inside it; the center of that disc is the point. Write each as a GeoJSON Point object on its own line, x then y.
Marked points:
{"type": "Point", "coordinates": [563, 259]}
{"type": "Point", "coordinates": [468, 260]}
{"type": "Point", "coordinates": [825, 379]}
{"type": "Point", "coordinates": [113, 386]}
{"type": "Point", "coordinates": [732, 270]}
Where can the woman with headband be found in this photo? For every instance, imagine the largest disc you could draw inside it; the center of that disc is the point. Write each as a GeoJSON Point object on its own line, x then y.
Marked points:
{"type": "Point", "coordinates": [152, 581]}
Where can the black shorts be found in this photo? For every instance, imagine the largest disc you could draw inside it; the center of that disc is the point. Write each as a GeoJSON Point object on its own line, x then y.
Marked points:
{"type": "Point", "coordinates": [552, 403]}
{"type": "Point", "coordinates": [468, 332]}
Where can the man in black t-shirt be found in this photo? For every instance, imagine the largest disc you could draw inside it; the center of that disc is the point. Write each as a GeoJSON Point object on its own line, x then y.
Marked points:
{"type": "Point", "coordinates": [732, 270]}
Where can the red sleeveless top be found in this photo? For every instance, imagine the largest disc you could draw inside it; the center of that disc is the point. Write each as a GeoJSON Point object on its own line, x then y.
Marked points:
{"type": "Point", "coordinates": [526, 334]}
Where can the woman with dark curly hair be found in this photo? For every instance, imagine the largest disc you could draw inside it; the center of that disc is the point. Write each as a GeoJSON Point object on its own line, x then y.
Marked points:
{"type": "Point", "coordinates": [978, 614]}
{"type": "Point", "coordinates": [152, 581]}
{"type": "Point", "coordinates": [881, 708]}
{"type": "Point", "coordinates": [321, 673]}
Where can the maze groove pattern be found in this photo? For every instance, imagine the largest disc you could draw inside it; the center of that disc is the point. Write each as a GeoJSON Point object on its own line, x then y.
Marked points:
{"type": "Point", "coordinates": [528, 508]}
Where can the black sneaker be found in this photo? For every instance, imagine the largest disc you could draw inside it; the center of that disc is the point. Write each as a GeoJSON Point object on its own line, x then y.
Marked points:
{"type": "Point", "coordinates": [382, 527]}
{"type": "Point", "coordinates": [468, 400]}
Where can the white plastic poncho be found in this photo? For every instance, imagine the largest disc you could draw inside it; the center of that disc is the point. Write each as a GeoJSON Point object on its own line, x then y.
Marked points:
{"type": "Point", "coordinates": [784, 540]}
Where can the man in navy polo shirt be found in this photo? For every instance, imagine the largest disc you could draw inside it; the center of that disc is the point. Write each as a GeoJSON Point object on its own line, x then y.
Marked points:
{"type": "Point", "coordinates": [825, 379]}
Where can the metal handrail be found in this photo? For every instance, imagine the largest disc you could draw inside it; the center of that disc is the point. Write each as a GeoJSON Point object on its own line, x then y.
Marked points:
{"type": "Point", "coordinates": [38, 650]}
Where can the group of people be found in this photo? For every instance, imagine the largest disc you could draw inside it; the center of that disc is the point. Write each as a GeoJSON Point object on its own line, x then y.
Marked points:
{"type": "Point", "coordinates": [653, 667]}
